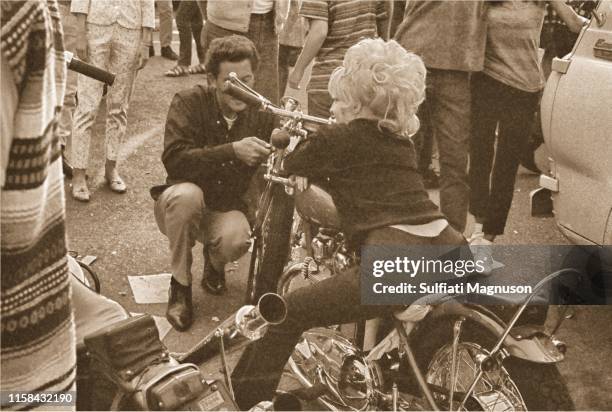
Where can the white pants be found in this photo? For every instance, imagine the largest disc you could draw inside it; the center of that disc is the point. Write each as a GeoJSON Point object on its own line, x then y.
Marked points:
{"type": "Point", "coordinates": [115, 49]}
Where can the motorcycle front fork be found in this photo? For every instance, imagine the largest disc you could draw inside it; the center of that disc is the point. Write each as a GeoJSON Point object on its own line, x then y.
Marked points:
{"type": "Point", "coordinates": [414, 366]}
{"type": "Point", "coordinates": [365, 335]}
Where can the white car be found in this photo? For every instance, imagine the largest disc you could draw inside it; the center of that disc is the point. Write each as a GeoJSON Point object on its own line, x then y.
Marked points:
{"type": "Point", "coordinates": [576, 113]}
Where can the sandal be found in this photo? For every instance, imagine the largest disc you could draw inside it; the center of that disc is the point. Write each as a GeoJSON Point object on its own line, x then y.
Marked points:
{"type": "Point", "coordinates": [197, 69]}
{"type": "Point", "coordinates": [177, 71]}
{"type": "Point", "coordinates": [81, 193]}
{"type": "Point", "coordinates": [117, 184]}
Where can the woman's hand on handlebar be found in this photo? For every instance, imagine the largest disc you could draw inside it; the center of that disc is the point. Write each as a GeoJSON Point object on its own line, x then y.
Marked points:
{"type": "Point", "coordinates": [252, 150]}
{"type": "Point", "coordinates": [300, 183]}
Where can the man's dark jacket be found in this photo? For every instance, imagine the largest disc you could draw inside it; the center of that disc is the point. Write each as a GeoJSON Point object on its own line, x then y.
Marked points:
{"type": "Point", "coordinates": [198, 147]}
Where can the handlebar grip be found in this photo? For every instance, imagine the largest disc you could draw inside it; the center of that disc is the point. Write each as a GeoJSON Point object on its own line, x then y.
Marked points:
{"type": "Point", "coordinates": [89, 70]}
{"type": "Point", "coordinates": [280, 139]}
{"type": "Point", "coordinates": [241, 94]}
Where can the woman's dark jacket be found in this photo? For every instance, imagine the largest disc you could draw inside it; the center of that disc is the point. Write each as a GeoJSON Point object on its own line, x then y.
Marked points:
{"type": "Point", "coordinates": [371, 175]}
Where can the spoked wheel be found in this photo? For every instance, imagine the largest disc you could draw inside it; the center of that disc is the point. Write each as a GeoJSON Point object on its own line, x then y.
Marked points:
{"type": "Point", "coordinates": [494, 391]}
{"type": "Point", "coordinates": [91, 278]}
{"type": "Point", "coordinates": [86, 275]}
{"type": "Point", "coordinates": [271, 246]}
{"type": "Point", "coordinates": [515, 385]}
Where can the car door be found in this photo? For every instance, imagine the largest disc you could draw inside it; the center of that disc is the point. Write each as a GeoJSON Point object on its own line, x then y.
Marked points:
{"type": "Point", "coordinates": [577, 122]}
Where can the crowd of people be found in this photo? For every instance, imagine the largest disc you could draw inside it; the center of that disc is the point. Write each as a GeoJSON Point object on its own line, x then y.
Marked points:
{"type": "Point", "coordinates": [496, 66]}
{"type": "Point", "coordinates": [465, 74]}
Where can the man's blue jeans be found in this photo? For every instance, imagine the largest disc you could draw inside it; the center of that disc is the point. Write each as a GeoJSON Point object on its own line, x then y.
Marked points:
{"type": "Point", "coordinates": [446, 112]}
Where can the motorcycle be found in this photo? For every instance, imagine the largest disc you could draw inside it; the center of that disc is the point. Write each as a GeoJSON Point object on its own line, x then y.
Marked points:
{"type": "Point", "coordinates": [440, 353]}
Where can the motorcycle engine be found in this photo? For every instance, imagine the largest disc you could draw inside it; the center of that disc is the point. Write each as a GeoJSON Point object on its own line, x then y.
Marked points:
{"type": "Point", "coordinates": [330, 250]}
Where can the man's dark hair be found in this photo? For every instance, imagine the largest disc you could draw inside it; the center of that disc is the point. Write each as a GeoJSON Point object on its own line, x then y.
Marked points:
{"type": "Point", "coordinates": [233, 49]}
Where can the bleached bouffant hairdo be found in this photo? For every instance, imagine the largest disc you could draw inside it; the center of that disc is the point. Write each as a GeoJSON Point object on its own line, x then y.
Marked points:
{"type": "Point", "coordinates": [386, 78]}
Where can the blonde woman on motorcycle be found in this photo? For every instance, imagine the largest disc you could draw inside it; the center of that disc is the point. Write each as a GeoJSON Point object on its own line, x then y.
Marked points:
{"type": "Point", "coordinates": [368, 164]}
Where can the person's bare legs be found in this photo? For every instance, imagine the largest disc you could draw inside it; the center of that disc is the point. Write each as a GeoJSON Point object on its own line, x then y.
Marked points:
{"type": "Point", "coordinates": [110, 171]}
{"type": "Point", "coordinates": [79, 185]}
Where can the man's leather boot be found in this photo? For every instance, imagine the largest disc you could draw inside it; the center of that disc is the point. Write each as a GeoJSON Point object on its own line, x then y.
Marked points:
{"type": "Point", "coordinates": [180, 307]}
{"type": "Point", "coordinates": [212, 281]}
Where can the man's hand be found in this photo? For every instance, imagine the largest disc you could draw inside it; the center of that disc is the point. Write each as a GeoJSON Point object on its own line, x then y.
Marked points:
{"type": "Point", "coordinates": [144, 56]}
{"type": "Point", "coordinates": [279, 23]}
{"type": "Point", "coordinates": [81, 37]}
{"type": "Point", "coordinates": [81, 45]}
{"type": "Point", "coordinates": [295, 77]}
{"type": "Point", "coordinates": [252, 150]}
{"type": "Point", "coordinates": [146, 43]}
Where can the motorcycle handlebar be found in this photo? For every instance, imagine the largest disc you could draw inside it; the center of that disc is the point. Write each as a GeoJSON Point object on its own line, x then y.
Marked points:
{"type": "Point", "coordinates": [236, 88]}
{"type": "Point", "coordinates": [277, 179]}
{"type": "Point", "coordinates": [88, 70]}
{"type": "Point", "coordinates": [241, 94]}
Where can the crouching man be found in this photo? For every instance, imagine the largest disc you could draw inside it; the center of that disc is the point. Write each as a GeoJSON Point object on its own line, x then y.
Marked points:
{"type": "Point", "coordinates": [213, 144]}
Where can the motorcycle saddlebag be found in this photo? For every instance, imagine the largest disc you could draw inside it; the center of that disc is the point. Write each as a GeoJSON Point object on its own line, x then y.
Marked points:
{"type": "Point", "coordinates": [127, 347]}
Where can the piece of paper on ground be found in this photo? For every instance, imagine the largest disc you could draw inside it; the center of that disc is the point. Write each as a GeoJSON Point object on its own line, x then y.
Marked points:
{"type": "Point", "coordinates": [149, 289]}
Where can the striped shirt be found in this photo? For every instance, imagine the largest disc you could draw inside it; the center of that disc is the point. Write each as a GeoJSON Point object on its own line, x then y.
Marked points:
{"type": "Point", "coordinates": [513, 39]}
{"type": "Point", "coordinates": [348, 22]}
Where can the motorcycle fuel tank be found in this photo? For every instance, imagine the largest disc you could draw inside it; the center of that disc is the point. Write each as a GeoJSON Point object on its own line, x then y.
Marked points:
{"type": "Point", "coordinates": [317, 206]}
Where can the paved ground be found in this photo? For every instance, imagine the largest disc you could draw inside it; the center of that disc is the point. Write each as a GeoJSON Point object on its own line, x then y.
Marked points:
{"type": "Point", "coordinates": [121, 231]}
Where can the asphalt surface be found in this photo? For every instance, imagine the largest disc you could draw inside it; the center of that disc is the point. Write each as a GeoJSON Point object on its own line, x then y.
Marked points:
{"type": "Point", "coordinates": [120, 230]}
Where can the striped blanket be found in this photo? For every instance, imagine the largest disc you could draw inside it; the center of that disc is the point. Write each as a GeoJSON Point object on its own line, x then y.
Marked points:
{"type": "Point", "coordinates": [38, 342]}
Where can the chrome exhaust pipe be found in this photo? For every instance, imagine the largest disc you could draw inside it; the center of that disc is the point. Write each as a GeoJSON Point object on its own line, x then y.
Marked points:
{"type": "Point", "coordinates": [249, 321]}
{"type": "Point", "coordinates": [252, 321]}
